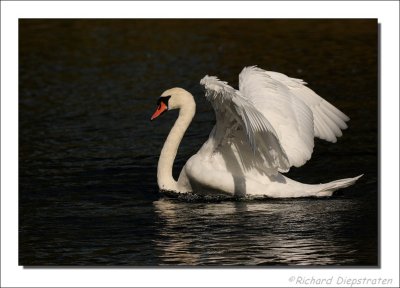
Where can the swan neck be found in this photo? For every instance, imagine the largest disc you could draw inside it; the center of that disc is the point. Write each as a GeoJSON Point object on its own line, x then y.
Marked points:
{"type": "Point", "coordinates": [168, 153]}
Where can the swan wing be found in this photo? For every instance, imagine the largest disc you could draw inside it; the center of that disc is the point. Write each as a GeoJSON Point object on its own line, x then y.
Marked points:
{"type": "Point", "coordinates": [235, 112]}
{"type": "Point", "coordinates": [296, 112]}
{"type": "Point", "coordinates": [328, 120]}
{"type": "Point", "coordinates": [291, 118]}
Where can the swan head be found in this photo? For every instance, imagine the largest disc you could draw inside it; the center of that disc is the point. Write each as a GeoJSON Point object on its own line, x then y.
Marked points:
{"type": "Point", "coordinates": [174, 98]}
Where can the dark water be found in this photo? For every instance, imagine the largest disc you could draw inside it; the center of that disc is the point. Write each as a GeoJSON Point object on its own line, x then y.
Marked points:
{"type": "Point", "coordinates": [88, 152]}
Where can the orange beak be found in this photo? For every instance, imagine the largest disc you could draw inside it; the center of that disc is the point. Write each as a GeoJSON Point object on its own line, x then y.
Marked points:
{"type": "Point", "coordinates": [160, 110]}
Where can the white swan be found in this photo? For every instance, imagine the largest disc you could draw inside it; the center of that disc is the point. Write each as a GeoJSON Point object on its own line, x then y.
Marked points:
{"type": "Point", "coordinates": [261, 130]}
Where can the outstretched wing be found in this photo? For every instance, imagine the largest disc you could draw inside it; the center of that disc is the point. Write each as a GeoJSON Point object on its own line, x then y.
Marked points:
{"type": "Point", "coordinates": [328, 120]}
{"type": "Point", "coordinates": [232, 109]}
{"type": "Point", "coordinates": [295, 111]}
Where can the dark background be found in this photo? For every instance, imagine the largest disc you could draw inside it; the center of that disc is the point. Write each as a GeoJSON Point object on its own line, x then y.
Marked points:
{"type": "Point", "coordinates": [88, 153]}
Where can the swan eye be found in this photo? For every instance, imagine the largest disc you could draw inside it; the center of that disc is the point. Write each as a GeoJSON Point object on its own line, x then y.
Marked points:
{"type": "Point", "coordinates": [163, 99]}
{"type": "Point", "coordinates": [162, 106]}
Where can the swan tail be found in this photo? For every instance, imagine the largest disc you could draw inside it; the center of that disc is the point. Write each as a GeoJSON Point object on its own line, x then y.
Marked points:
{"type": "Point", "coordinates": [329, 188]}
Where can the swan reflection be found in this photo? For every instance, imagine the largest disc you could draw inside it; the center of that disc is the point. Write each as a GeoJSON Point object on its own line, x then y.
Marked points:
{"type": "Point", "coordinates": [251, 233]}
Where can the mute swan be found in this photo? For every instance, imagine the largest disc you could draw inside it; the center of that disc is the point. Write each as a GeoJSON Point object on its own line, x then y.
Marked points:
{"type": "Point", "coordinates": [261, 130]}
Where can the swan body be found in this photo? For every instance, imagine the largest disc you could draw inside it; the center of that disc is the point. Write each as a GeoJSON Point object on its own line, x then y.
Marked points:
{"type": "Point", "coordinates": [261, 130]}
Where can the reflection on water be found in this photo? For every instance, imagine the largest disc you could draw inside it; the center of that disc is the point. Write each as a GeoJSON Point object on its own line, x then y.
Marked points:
{"type": "Point", "coordinates": [88, 152]}
{"type": "Point", "coordinates": [282, 232]}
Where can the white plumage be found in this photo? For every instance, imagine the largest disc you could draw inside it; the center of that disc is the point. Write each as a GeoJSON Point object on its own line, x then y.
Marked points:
{"type": "Point", "coordinates": [264, 128]}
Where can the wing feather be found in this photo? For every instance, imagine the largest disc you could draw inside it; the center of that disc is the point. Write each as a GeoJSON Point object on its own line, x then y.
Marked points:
{"type": "Point", "coordinates": [295, 111]}
{"type": "Point", "coordinates": [328, 120]}
{"type": "Point", "coordinates": [291, 118]}
{"type": "Point", "coordinates": [279, 117]}
{"type": "Point", "coordinates": [229, 103]}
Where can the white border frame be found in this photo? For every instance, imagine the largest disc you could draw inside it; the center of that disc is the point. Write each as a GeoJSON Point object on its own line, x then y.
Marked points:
{"type": "Point", "coordinates": [16, 276]}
